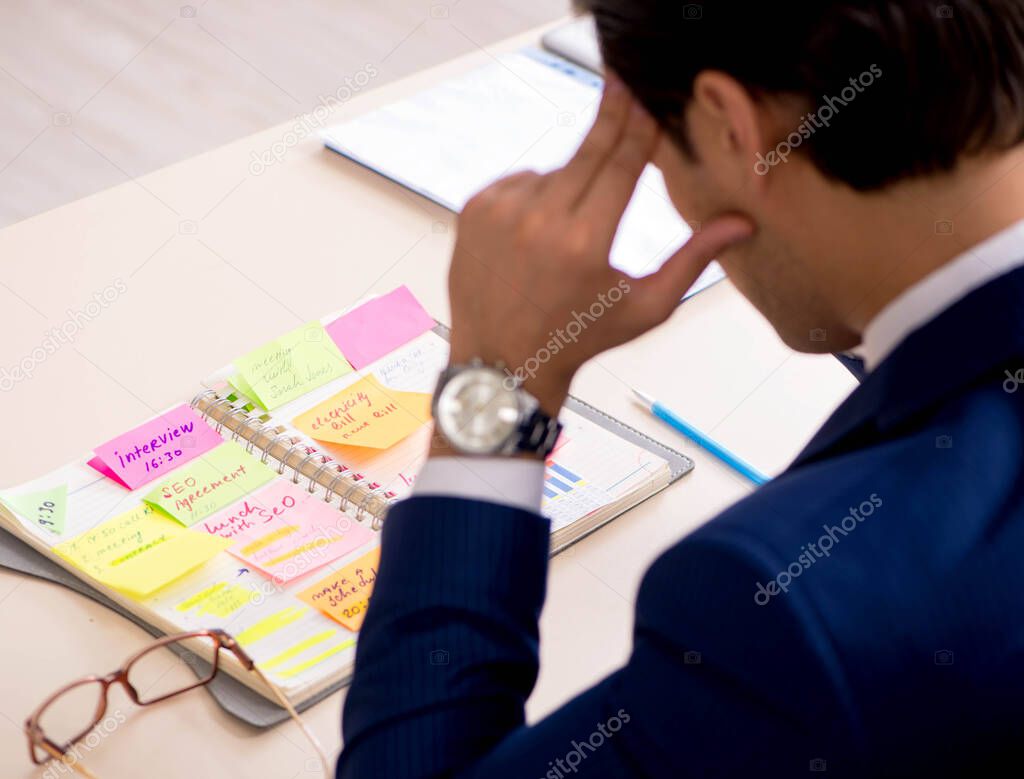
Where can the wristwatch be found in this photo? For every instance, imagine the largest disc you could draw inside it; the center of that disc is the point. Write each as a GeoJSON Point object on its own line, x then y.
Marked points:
{"type": "Point", "coordinates": [482, 410]}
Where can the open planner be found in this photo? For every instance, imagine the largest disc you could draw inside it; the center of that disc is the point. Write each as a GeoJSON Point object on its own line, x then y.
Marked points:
{"type": "Point", "coordinates": [528, 110]}
{"type": "Point", "coordinates": [256, 506]}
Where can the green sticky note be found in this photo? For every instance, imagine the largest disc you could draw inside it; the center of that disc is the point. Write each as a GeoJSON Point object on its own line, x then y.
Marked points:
{"type": "Point", "coordinates": [209, 483]}
{"type": "Point", "coordinates": [241, 385]}
{"type": "Point", "coordinates": [290, 366]}
{"type": "Point", "coordinates": [46, 508]}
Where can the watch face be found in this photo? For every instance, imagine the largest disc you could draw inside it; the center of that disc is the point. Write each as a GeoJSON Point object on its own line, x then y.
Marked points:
{"type": "Point", "coordinates": [477, 412]}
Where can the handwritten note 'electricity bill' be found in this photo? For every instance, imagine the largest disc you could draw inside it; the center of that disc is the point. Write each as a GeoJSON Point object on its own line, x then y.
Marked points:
{"type": "Point", "coordinates": [366, 414]}
{"type": "Point", "coordinates": [139, 551]}
{"type": "Point", "coordinates": [286, 532]}
{"type": "Point", "coordinates": [345, 595]}
{"type": "Point", "coordinates": [290, 366]}
{"type": "Point", "coordinates": [208, 484]}
{"type": "Point", "coordinates": [152, 449]}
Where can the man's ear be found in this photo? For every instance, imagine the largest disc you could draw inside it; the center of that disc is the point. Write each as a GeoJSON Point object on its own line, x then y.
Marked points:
{"type": "Point", "coordinates": [727, 124]}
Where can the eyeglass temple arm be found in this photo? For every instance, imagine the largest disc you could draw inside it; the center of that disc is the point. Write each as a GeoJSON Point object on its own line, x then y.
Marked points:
{"type": "Point", "coordinates": [71, 762]}
{"type": "Point", "coordinates": [243, 657]}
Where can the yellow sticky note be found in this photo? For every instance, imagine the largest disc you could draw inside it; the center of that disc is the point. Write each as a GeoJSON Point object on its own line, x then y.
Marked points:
{"type": "Point", "coordinates": [345, 595]}
{"type": "Point", "coordinates": [290, 366]}
{"type": "Point", "coordinates": [139, 551]}
{"type": "Point", "coordinates": [366, 414]}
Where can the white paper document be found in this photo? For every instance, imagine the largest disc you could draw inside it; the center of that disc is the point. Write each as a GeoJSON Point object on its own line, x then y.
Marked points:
{"type": "Point", "coordinates": [529, 110]}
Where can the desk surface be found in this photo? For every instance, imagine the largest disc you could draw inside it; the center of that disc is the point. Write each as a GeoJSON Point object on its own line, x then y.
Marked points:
{"type": "Point", "coordinates": [214, 260]}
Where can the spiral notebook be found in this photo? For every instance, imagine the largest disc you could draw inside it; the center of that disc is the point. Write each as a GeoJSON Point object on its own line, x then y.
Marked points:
{"type": "Point", "coordinates": [256, 506]}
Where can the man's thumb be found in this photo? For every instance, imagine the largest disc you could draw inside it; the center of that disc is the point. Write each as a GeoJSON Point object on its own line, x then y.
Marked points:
{"type": "Point", "coordinates": [682, 269]}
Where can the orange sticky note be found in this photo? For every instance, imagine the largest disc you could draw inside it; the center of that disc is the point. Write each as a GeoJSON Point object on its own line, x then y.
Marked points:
{"type": "Point", "coordinates": [366, 414]}
{"type": "Point", "coordinates": [344, 595]}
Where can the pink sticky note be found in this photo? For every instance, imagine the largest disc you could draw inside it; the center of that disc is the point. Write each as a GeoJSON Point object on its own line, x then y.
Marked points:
{"type": "Point", "coordinates": [101, 466]}
{"type": "Point", "coordinates": [379, 326]}
{"type": "Point", "coordinates": [149, 451]}
{"type": "Point", "coordinates": [285, 531]}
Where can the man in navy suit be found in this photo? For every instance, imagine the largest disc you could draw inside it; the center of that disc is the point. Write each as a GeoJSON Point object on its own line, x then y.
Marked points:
{"type": "Point", "coordinates": [856, 167]}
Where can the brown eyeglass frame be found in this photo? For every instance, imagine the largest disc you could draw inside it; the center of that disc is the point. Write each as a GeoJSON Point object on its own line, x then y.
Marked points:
{"type": "Point", "coordinates": [221, 640]}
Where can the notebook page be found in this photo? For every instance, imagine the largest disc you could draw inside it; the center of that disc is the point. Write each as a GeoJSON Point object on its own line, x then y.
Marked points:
{"type": "Point", "coordinates": [590, 468]}
{"type": "Point", "coordinates": [527, 111]}
{"type": "Point", "coordinates": [296, 645]}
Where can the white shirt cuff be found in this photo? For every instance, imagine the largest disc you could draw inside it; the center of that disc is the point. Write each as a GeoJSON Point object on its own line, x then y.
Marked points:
{"type": "Point", "coordinates": [514, 482]}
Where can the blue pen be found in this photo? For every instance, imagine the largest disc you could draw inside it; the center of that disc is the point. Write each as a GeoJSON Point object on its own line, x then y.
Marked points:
{"type": "Point", "coordinates": [719, 451]}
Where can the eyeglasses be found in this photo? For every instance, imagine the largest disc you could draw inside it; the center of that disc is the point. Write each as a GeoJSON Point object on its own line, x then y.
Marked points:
{"type": "Point", "coordinates": [76, 710]}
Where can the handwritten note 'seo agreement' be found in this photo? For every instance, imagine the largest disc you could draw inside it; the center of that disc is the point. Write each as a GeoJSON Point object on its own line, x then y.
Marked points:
{"type": "Point", "coordinates": [212, 482]}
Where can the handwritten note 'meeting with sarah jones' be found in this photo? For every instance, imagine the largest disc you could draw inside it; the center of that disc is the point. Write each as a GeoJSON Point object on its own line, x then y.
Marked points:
{"type": "Point", "coordinates": [290, 366]}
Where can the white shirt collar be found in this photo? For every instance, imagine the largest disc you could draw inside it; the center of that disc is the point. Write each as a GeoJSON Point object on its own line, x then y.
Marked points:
{"type": "Point", "coordinates": [939, 290]}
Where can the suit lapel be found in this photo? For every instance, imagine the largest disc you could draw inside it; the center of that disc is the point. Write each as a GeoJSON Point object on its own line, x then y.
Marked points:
{"type": "Point", "coordinates": [971, 342]}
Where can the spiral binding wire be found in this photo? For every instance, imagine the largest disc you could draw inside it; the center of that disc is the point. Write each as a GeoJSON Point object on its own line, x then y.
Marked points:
{"type": "Point", "coordinates": [314, 480]}
{"type": "Point", "coordinates": [356, 482]}
{"type": "Point", "coordinates": [250, 441]}
{"type": "Point", "coordinates": [219, 410]}
{"type": "Point", "coordinates": [265, 450]}
{"type": "Point", "coordinates": [282, 464]}
{"type": "Point", "coordinates": [310, 454]}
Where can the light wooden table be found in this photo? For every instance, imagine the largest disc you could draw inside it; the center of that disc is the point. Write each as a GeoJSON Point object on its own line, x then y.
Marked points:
{"type": "Point", "coordinates": [215, 260]}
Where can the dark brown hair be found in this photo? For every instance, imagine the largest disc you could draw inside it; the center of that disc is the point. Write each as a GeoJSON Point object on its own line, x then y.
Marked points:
{"type": "Point", "coordinates": [947, 79]}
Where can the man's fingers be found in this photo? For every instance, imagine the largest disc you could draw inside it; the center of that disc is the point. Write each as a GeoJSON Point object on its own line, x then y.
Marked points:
{"type": "Point", "coordinates": [508, 196]}
{"type": "Point", "coordinates": [663, 290]}
{"type": "Point", "coordinates": [606, 199]}
{"type": "Point", "coordinates": [570, 183]}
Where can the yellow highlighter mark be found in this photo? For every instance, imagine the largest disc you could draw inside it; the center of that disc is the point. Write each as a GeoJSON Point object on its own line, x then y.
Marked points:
{"type": "Point", "coordinates": [136, 552]}
{"type": "Point", "coordinates": [270, 624]}
{"type": "Point", "coordinates": [220, 600]}
{"type": "Point", "coordinates": [317, 545]}
{"type": "Point", "coordinates": [199, 597]}
{"type": "Point", "coordinates": [298, 649]}
{"type": "Point", "coordinates": [295, 670]}
{"type": "Point", "coordinates": [268, 539]}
